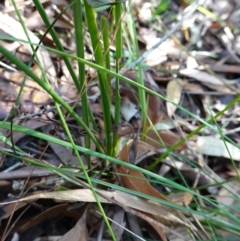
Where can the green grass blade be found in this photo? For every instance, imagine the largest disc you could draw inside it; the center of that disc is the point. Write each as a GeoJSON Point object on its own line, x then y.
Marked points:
{"type": "Point", "coordinates": [53, 94]}
{"type": "Point", "coordinates": [104, 85]}
{"type": "Point", "coordinates": [78, 25]}
{"type": "Point", "coordinates": [56, 40]}
{"type": "Point", "coordinates": [118, 21]}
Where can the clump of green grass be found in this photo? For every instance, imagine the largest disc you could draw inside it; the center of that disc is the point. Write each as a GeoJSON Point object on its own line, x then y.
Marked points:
{"type": "Point", "coordinates": [100, 35]}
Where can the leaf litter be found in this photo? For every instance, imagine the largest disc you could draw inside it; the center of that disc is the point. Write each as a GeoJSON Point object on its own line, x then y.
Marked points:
{"type": "Point", "coordinates": [196, 67]}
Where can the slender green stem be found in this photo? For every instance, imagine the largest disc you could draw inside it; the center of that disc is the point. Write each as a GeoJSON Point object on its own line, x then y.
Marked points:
{"type": "Point", "coordinates": [106, 44]}
{"type": "Point", "coordinates": [85, 172]}
{"type": "Point", "coordinates": [140, 80]}
{"type": "Point", "coordinates": [104, 85]}
{"type": "Point", "coordinates": [58, 99]}
{"type": "Point", "coordinates": [56, 40]}
{"type": "Point", "coordinates": [54, 95]}
{"type": "Point", "coordinates": [78, 25]}
{"type": "Point", "coordinates": [161, 179]}
{"type": "Point", "coordinates": [17, 102]}
{"type": "Point", "coordinates": [196, 131]}
{"type": "Point", "coordinates": [118, 20]}
{"type": "Point", "coordinates": [101, 69]}
{"type": "Point", "coordinates": [225, 144]}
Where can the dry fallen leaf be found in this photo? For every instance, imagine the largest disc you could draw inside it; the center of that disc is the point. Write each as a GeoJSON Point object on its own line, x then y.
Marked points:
{"type": "Point", "coordinates": [51, 213]}
{"type": "Point", "coordinates": [174, 92]}
{"type": "Point", "coordinates": [181, 198]}
{"type": "Point", "coordinates": [136, 181]}
{"type": "Point", "coordinates": [85, 195]}
{"type": "Point", "coordinates": [212, 146]}
{"type": "Point", "coordinates": [128, 109]}
{"type": "Point", "coordinates": [205, 77]}
{"type": "Point", "coordinates": [79, 232]}
{"type": "Point", "coordinates": [7, 23]}
{"type": "Point", "coordinates": [64, 154]}
{"type": "Point", "coordinates": [169, 138]}
{"type": "Point", "coordinates": [191, 173]}
{"type": "Point", "coordinates": [154, 109]}
{"type": "Point", "coordinates": [211, 81]}
{"type": "Point", "coordinates": [118, 223]}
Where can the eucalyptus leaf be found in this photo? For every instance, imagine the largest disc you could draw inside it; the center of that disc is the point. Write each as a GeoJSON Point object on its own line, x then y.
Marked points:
{"type": "Point", "coordinates": [100, 3]}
